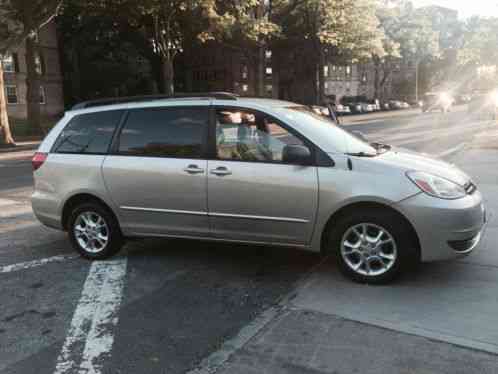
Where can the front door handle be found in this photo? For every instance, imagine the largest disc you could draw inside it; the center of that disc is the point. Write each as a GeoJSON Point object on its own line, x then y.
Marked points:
{"type": "Point", "coordinates": [193, 169]}
{"type": "Point", "coordinates": [221, 171]}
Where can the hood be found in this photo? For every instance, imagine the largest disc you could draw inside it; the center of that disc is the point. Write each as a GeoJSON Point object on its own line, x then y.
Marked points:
{"type": "Point", "coordinates": [408, 160]}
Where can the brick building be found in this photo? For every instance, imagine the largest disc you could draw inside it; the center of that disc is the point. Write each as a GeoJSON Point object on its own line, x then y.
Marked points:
{"type": "Point", "coordinates": [48, 66]}
{"type": "Point", "coordinates": [215, 68]}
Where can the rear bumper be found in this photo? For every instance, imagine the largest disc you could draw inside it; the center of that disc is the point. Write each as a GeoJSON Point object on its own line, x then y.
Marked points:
{"type": "Point", "coordinates": [45, 210]}
{"type": "Point", "coordinates": [446, 228]}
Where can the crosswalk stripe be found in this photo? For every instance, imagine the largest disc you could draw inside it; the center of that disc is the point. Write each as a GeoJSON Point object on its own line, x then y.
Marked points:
{"type": "Point", "coordinates": [34, 263]}
{"type": "Point", "coordinates": [94, 319]}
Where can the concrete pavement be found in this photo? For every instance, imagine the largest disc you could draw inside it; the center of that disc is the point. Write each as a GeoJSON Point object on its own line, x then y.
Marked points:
{"type": "Point", "coordinates": [184, 305]}
{"type": "Point", "coordinates": [441, 319]}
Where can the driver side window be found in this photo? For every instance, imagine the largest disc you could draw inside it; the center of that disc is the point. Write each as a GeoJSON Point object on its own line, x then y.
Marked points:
{"type": "Point", "coordinates": [242, 135]}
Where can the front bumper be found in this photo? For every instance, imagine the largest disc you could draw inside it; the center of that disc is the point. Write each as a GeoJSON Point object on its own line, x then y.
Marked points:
{"type": "Point", "coordinates": [446, 228]}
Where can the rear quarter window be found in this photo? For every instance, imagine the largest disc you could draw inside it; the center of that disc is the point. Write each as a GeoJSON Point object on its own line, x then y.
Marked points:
{"type": "Point", "coordinates": [88, 133]}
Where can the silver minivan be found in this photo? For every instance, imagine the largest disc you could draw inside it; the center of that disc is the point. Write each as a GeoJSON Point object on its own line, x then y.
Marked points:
{"type": "Point", "coordinates": [225, 168]}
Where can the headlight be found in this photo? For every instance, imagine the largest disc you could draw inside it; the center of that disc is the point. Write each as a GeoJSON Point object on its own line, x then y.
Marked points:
{"type": "Point", "coordinates": [436, 186]}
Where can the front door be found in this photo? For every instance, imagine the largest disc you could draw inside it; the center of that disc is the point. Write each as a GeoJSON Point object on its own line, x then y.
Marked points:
{"type": "Point", "coordinates": [252, 194]}
{"type": "Point", "coordinates": [157, 174]}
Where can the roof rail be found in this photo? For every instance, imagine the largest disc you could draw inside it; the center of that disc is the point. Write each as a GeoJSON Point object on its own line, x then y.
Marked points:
{"type": "Point", "coordinates": [145, 98]}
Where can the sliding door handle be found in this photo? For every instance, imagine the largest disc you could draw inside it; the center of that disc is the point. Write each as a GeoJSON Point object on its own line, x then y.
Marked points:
{"type": "Point", "coordinates": [193, 169]}
{"type": "Point", "coordinates": [221, 171]}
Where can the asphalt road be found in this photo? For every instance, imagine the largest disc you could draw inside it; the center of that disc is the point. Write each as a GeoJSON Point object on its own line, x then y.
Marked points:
{"type": "Point", "coordinates": [170, 303]}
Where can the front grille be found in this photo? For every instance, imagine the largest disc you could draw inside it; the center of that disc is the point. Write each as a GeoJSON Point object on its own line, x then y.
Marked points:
{"type": "Point", "coordinates": [470, 188]}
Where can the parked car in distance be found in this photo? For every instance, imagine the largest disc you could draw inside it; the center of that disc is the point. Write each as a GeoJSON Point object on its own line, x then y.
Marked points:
{"type": "Point", "coordinates": [441, 101]}
{"type": "Point", "coordinates": [367, 108]}
{"type": "Point", "coordinates": [385, 106]}
{"type": "Point", "coordinates": [219, 167]}
{"type": "Point", "coordinates": [462, 99]}
{"type": "Point", "coordinates": [395, 104]}
{"type": "Point", "coordinates": [355, 108]}
{"type": "Point", "coordinates": [343, 110]}
{"type": "Point", "coordinates": [405, 105]}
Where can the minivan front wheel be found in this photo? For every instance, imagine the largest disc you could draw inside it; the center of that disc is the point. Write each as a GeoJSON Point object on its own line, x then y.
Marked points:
{"type": "Point", "coordinates": [94, 232]}
{"type": "Point", "coordinates": [372, 246]}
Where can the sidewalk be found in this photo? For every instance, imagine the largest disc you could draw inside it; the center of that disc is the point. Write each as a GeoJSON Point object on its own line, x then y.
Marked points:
{"type": "Point", "coordinates": [443, 319]}
{"type": "Point", "coordinates": [21, 146]}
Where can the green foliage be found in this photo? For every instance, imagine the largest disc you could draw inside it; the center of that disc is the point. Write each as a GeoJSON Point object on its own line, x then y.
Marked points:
{"type": "Point", "coordinates": [19, 18]}
{"type": "Point", "coordinates": [347, 28]}
{"type": "Point", "coordinates": [480, 41]}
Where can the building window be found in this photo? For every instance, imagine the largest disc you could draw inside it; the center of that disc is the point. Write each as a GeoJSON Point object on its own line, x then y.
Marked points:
{"type": "Point", "coordinates": [245, 87]}
{"type": "Point", "coordinates": [364, 77]}
{"type": "Point", "coordinates": [245, 72]}
{"type": "Point", "coordinates": [326, 85]}
{"type": "Point", "coordinates": [269, 71]}
{"type": "Point", "coordinates": [348, 71]}
{"type": "Point", "coordinates": [39, 64]}
{"type": "Point", "coordinates": [326, 71]}
{"type": "Point", "coordinates": [42, 95]}
{"type": "Point", "coordinates": [269, 89]}
{"type": "Point", "coordinates": [8, 64]}
{"type": "Point", "coordinates": [334, 68]}
{"type": "Point", "coordinates": [11, 92]}
{"type": "Point", "coordinates": [268, 54]}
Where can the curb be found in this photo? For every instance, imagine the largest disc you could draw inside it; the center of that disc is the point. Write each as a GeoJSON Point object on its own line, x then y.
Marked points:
{"type": "Point", "coordinates": [20, 148]}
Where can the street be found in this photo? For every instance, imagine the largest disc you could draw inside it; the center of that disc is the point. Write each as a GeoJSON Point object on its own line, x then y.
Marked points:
{"type": "Point", "coordinates": [174, 306]}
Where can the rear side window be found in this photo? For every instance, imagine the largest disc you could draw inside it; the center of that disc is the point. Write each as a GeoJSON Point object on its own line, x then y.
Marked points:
{"type": "Point", "coordinates": [165, 132]}
{"type": "Point", "coordinates": [88, 133]}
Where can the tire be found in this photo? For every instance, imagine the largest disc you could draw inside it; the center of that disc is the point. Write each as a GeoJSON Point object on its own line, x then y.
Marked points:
{"type": "Point", "coordinates": [403, 247]}
{"type": "Point", "coordinates": [106, 231]}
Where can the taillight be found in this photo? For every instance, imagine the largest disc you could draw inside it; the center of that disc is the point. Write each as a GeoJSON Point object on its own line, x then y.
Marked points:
{"type": "Point", "coordinates": [38, 160]}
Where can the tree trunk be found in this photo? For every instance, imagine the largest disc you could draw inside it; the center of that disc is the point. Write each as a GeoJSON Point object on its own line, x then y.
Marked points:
{"type": "Point", "coordinates": [260, 84]}
{"type": "Point", "coordinates": [75, 75]}
{"type": "Point", "coordinates": [377, 93]}
{"type": "Point", "coordinates": [321, 77]}
{"type": "Point", "coordinates": [386, 75]}
{"type": "Point", "coordinates": [4, 119]}
{"type": "Point", "coordinates": [169, 75]}
{"type": "Point", "coordinates": [33, 89]}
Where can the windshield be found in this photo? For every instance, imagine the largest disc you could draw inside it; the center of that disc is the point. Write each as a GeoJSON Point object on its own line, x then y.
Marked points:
{"type": "Point", "coordinates": [342, 140]}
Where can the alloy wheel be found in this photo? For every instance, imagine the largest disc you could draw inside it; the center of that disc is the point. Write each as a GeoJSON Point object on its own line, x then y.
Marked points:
{"type": "Point", "coordinates": [368, 249]}
{"type": "Point", "coordinates": [91, 232]}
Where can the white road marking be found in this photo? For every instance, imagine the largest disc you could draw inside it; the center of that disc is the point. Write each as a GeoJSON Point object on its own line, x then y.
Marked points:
{"type": "Point", "coordinates": [450, 151]}
{"type": "Point", "coordinates": [94, 319]}
{"type": "Point", "coordinates": [6, 202]}
{"type": "Point", "coordinates": [34, 263]}
{"type": "Point", "coordinates": [12, 211]}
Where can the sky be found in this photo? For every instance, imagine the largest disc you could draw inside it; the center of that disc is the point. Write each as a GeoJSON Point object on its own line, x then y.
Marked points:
{"type": "Point", "coordinates": [466, 8]}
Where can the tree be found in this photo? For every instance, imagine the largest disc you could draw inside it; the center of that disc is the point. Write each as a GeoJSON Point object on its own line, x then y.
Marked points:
{"type": "Point", "coordinates": [409, 35]}
{"type": "Point", "coordinates": [169, 24]}
{"type": "Point", "coordinates": [480, 39]}
{"type": "Point", "coordinates": [15, 27]}
{"type": "Point", "coordinates": [245, 27]}
{"type": "Point", "coordinates": [117, 60]}
{"type": "Point", "coordinates": [344, 30]}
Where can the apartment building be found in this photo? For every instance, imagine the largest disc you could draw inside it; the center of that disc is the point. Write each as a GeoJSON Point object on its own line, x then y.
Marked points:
{"type": "Point", "coordinates": [48, 66]}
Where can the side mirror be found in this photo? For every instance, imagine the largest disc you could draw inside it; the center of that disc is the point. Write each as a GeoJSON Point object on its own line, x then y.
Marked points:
{"type": "Point", "coordinates": [296, 154]}
{"type": "Point", "coordinates": [360, 135]}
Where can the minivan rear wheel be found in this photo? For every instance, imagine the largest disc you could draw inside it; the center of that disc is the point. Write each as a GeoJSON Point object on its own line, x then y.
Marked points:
{"type": "Point", "coordinates": [94, 232]}
{"type": "Point", "coordinates": [372, 246]}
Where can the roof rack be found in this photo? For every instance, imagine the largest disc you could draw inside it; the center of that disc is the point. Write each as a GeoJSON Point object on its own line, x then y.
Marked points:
{"type": "Point", "coordinates": [144, 98]}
